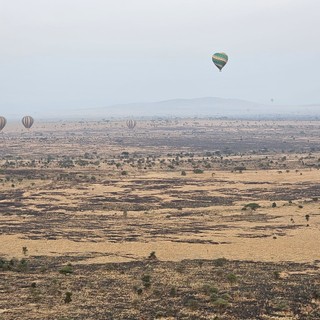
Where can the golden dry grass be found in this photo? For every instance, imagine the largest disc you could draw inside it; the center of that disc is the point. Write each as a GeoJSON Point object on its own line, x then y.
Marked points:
{"type": "Point", "coordinates": [110, 207]}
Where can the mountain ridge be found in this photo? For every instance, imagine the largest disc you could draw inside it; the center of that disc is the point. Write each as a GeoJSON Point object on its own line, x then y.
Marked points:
{"type": "Point", "coordinates": [193, 107]}
{"type": "Point", "coordinates": [206, 106]}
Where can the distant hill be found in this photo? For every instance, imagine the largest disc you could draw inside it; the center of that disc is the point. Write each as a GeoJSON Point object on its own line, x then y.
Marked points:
{"type": "Point", "coordinates": [208, 106]}
{"type": "Point", "coordinates": [201, 107]}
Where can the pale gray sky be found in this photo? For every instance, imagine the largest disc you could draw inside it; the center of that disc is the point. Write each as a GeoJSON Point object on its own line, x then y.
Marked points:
{"type": "Point", "coordinates": [67, 54]}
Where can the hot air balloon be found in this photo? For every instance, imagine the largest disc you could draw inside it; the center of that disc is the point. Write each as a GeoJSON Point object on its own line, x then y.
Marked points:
{"type": "Point", "coordinates": [3, 122]}
{"type": "Point", "coordinates": [220, 60]}
{"type": "Point", "coordinates": [27, 121]}
{"type": "Point", "coordinates": [131, 124]}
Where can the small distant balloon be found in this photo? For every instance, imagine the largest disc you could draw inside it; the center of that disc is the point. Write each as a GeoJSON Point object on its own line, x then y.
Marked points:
{"type": "Point", "coordinates": [27, 121]}
{"type": "Point", "coordinates": [220, 59]}
{"type": "Point", "coordinates": [131, 124]}
{"type": "Point", "coordinates": [3, 122]}
{"type": "Point", "coordinates": [271, 99]}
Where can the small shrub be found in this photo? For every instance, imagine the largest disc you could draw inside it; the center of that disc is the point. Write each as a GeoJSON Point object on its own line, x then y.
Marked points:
{"type": "Point", "coordinates": [3, 264]}
{"type": "Point", "coordinates": [221, 304]}
{"type": "Point", "coordinates": [214, 296]}
{"type": "Point", "coordinates": [160, 315]}
{"type": "Point", "coordinates": [232, 278]}
{"type": "Point", "coordinates": [220, 262]}
{"type": "Point", "coordinates": [173, 292]}
{"type": "Point", "coordinates": [35, 294]}
{"type": "Point", "coordinates": [146, 279]}
{"type": "Point", "coordinates": [316, 294]}
{"type": "Point", "coordinates": [181, 268]}
{"type": "Point", "coordinates": [240, 168]}
{"type": "Point", "coordinates": [191, 303]}
{"type": "Point", "coordinates": [281, 306]}
{"type": "Point", "coordinates": [210, 289]}
{"type": "Point", "coordinates": [139, 291]}
{"type": "Point", "coordinates": [43, 269]}
{"type": "Point", "coordinates": [157, 293]}
{"type": "Point", "coordinates": [66, 269]}
{"type": "Point", "coordinates": [67, 298]}
{"type": "Point", "coordinates": [252, 206]}
{"type": "Point", "coordinates": [226, 296]}
{"type": "Point", "coordinates": [152, 255]}
{"type": "Point", "coordinates": [22, 265]}
{"type": "Point", "coordinates": [14, 265]}
{"type": "Point", "coordinates": [6, 265]}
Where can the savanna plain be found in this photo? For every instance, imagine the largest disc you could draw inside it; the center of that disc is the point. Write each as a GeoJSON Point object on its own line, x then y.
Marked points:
{"type": "Point", "coordinates": [175, 219]}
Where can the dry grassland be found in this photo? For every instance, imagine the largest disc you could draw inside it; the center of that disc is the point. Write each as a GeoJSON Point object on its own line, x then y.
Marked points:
{"type": "Point", "coordinates": [229, 209]}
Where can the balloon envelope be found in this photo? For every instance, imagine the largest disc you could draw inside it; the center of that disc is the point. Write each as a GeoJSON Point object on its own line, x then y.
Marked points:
{"type": "Point", "coordinates": [27, 121]}
{"type": "Point", "coordinates": [3, 122]}
{"type": "Point", "coordinates": [131, 124]}
{"type": "Point", "coordinates": [220, 60]}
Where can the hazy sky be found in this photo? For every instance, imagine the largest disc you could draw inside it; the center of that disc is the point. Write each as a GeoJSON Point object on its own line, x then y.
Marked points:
{"type": "Point", "coordinates": [65, 54]}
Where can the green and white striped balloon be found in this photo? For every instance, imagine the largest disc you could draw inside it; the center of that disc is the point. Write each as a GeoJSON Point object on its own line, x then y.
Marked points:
{"type": "Point", "coordinates": [220, 60]}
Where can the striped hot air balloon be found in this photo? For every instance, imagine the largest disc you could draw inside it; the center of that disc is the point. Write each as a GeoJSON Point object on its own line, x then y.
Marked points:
{"type": "Point", "coordinates": [131, 124]}
{"type": "Point", "coordinates": [3, 122]}
{"type": "Point", "coordinates": [27, 121]}
{"type": "Point", "coordinates": [220, 60]}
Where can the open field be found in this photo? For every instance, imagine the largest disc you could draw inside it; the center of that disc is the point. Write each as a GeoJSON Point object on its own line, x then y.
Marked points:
{"type": "Point", "coordinates": [230, 209]}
